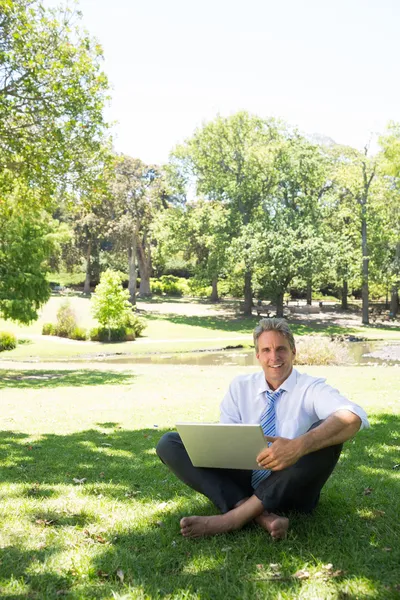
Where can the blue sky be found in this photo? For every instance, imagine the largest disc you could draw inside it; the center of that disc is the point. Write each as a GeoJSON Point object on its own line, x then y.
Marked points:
{"type": "Point", "coordinates": [326, 66]}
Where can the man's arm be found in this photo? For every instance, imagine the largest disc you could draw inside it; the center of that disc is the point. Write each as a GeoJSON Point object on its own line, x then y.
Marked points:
{"type": "Point", "coordinates": [336, 429]}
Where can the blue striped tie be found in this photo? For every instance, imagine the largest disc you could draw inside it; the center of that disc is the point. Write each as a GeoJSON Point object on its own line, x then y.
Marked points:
{"type": "Point", "coordinates": [268, 427]}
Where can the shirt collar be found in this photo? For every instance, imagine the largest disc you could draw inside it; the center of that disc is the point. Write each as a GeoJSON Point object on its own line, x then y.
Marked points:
{"type": "Point", "coordinates": [286, 386]}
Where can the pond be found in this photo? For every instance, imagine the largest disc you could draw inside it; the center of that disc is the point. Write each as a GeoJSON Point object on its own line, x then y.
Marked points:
{"type": "Point", "coordinates": [361, 353]}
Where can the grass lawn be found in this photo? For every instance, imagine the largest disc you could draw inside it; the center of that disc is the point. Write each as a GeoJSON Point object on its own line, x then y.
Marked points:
{"type": "Point", "coordinates": [165, 332]}
{"type": "Point", "coordinates": [88, 511]}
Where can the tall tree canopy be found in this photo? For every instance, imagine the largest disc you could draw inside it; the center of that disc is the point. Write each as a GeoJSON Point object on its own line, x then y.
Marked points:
{"type": "Point", "coordinates": [52, 132]}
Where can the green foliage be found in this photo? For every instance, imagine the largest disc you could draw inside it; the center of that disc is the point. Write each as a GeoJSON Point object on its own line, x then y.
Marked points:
{"type": "Point", "coordinates": [25, 244]}
{"type": "Point", "coordinates": [197, 288]}
{"type": "Point", "coordinates": [134, 325]}
{"type": "Point", "coordinates": [169, 285]}
{"type": "Point", "coordinates": [52, 94]}
{"type": "Point", "coordinates": [105, 334]}
{"type": "Point", "coordinates": [8, 341]}
{"type": "Point", "coordinates": [78, 333]}
{"type": "Point", "coordinates": [52, 141]}
{"type": "Point", "coordinates": [66, 320]}
{"type": "Point", "coordinates": [48, 329]}
{"type": "Point", "coordinates": [110, 302]}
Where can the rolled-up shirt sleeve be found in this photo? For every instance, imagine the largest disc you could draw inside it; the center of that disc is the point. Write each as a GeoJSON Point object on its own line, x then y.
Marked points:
{"type": "Point", "coordinates": [327, 400]}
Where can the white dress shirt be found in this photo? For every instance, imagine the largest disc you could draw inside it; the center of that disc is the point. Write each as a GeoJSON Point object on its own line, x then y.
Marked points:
{"type": "Point", "coordinates": [305, 401]}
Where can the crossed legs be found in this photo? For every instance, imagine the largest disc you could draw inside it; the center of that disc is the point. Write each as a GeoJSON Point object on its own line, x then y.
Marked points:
{"type": "Point", "coordinates": [295, 488]}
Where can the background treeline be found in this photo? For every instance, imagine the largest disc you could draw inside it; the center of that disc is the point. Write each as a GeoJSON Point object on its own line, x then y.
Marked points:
{"type": "Point", "coordinates": [247, 206]}
{"type": "Point", "coordinates": [251, 208]}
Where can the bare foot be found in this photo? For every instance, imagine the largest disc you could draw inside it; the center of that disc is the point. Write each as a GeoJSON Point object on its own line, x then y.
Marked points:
{"type": "Point", "coordinates": [276, 526]}
{"type": "Point", "coordinates": [201, 526]}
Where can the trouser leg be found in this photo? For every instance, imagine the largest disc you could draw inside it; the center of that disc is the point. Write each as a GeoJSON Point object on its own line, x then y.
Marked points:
{"type": "Point", "coordinates": [224, 487]}
{"type": "Point", "coordinates": [298, 487]}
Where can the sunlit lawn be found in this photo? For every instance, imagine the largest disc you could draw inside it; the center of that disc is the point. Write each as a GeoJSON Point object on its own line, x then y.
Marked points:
{"type": "Point", "coordinates": [88, 511]}
{"type": "Point", "coordinates": [170, 332]}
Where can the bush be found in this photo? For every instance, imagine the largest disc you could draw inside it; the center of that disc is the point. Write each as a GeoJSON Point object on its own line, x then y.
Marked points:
{"type": "Point", "coordinates": [318, 350]}
{"type": "Point", "coordinates": [48, 329]}
{"type": "Point", "coordinates": [135, 324]}
{"type": "Point", "coordinates": [8, 341]}
{"type": "Point", "coordinates": [169, 285]}
{"type": "Point", "coordinates": [66, 320]}
{"type": "Point", "coordinates": [110, 302]}
{"type": "Point", "coordinates": [130, 335]}
{"type": "Point", "coordinates": [104, 334]}
{"type": "Point", "coordinates": [78, 333]}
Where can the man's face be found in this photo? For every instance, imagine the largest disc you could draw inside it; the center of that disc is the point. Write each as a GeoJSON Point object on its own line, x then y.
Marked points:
{"type": "Point", "coordinates": [275, 357]}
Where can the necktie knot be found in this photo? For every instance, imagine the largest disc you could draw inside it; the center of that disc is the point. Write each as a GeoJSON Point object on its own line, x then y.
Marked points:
{"type": "Point", "coordinates": [274, 396]}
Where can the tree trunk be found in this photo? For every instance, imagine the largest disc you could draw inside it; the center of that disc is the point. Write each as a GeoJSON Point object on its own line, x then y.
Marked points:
{"type": "Point", "coordinates": [214, 293]}
{"type": "Point", "coordinates": [132, 273]}
{"type": "Point", "coordinates": [144, 261]}
{"type": "Point", "coordinates": [365, 264]}
{"type": "Point", "coordinates": [309, 292]}
{"type": "Point", "coordinates": [86, 287]}
{"type": "Point", "coordinates": [394, 302]}
{"type": "Point", "coordinates": [248, 294]}
{"type": "Point", "coordinates": [345, 293]}
{"type": "Point", "coordinates": [279, 305]}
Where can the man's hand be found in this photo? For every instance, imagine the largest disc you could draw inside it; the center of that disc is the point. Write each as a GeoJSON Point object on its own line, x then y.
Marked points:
{"type": "Point", "coordinates": [281, 454]}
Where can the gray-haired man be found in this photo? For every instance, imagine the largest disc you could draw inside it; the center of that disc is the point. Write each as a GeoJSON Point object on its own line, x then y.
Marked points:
{"type": "Point", "coordinates": [310, 419]}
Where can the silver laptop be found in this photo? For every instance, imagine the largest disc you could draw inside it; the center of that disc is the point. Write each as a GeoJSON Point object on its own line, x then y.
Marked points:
{"type": "Point", "coordinates": [222, 446]}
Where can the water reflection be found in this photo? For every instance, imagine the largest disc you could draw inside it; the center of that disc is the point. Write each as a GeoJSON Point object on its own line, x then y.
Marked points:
{"type": "Point", "coordinates": [361, 353]}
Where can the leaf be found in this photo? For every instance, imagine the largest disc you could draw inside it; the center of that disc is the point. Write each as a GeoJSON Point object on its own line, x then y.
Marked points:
{"type": "Point", "coordinates": [120, 575]}
{"type": "Point", "coordinates": [378, 513]}
{"type": "Point", "coordinates": [367, 491]}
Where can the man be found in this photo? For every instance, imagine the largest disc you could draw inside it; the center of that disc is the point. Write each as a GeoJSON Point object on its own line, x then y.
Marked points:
{"type": "Point", "coordinates": [305, 422]}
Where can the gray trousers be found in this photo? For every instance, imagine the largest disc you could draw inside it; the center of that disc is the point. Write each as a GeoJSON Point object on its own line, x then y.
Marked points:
{"type": "Point", "coordinates": [296, 488]}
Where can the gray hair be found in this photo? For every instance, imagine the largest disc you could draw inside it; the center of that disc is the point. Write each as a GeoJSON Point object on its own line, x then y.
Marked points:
{"type": "Point", "coordinates": [279, 325]}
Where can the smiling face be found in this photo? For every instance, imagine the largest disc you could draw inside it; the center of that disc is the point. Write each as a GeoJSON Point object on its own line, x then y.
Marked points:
{"type": "Point", "coordinates": [275, 357]}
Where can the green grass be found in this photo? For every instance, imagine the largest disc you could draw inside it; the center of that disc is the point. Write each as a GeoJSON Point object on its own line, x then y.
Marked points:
{"type": "Point", "coordinates": [119, 519]}
{"type": "Point", "coordinates": [165, 333]}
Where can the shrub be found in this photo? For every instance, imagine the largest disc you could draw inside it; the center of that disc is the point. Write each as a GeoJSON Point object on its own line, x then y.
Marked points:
{"type": "Point", "coordinates": [8, 341]}
{"type": "Point", "coordinates": [48, 329]}
{"type": "Point", "coordinates": [169, 285]}
{"type": "Point", "coordinates": [110, 303]}
{"type": "Point", "coordinates": [318, 350]}
{"type": "Point", "coordinates": [135, 323]}
{"type": "Point", "coordinates": [94, 334]}
{"type": "Point", "coordinates": [197, 288]}
{"type": "Point", "coordinates": [66, 320]}
{"type": "Point", "coordinates": [78, 333]}
{"type": "Point", "coordinates": [130, 335]}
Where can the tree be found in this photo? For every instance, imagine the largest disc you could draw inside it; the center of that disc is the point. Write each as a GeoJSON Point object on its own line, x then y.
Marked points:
{"type": "Point", "coordinates": [356, 177]}
{"type": "Point", "coordinates": [390, 165]}
{"type": "Point", "coordinates": [201, 232]}
{"type": "Point", "coordinates": [138, 193]}
{"type": "Point", "coordinates": [52, 132]}
{"type": "Point", "coordinates": [52, 93]}
{"type": "Point", "coordinates": [110, 302]}
{"type": "Point", "coordinates": [232, 160]}
{"type": "Point", "coordinates": [25, 244]}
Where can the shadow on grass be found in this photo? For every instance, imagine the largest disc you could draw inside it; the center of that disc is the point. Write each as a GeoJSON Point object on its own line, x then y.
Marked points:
{"type": "Point", "coordinates": [53, 379]}
{"type": "Point", "coordinates": [355, 527]}
{"type": "Point", "coordinates": [247, 324]}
